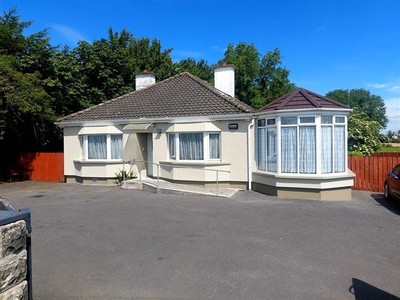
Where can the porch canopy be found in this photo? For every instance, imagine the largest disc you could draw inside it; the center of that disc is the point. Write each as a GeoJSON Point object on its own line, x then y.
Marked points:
{"type": "Point", "coordinates": [138, 126]}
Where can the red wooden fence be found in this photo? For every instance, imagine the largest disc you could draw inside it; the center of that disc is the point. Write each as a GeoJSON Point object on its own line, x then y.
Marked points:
{"type": "Point", "coordinates": [371, 170]}
{"type": "Point", "coordinates": [43, 166]}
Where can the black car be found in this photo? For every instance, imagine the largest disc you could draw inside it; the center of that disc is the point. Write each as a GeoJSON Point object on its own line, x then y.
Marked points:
{"type": "Point", "coordinates": [392, 183]}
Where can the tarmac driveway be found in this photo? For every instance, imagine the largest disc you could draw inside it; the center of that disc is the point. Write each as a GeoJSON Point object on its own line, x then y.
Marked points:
{"type": "Point", "coordinates": [97, 242]}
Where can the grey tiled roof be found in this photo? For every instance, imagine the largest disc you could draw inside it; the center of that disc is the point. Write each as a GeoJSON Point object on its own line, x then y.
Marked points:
{"type": "Point", "coordinates": [302, 99]}
{"type": "Point", "coordinates": [182, 95]}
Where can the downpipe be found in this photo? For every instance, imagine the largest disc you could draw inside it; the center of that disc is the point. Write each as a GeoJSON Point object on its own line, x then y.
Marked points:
{"type": "Point", "coordinates": [249, 170]}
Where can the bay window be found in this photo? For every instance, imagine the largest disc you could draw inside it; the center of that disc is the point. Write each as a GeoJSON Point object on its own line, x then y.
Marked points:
{"type": "Point", "coordinates": [101, 146]}
{"type": "Point", "coordinates": [306, 145]}
{"type": "Point", "coordinates": [194, 146]}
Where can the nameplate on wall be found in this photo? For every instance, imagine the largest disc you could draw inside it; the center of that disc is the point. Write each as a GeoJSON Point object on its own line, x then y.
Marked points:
{"type": "Point", "coordinates": [233, 126]}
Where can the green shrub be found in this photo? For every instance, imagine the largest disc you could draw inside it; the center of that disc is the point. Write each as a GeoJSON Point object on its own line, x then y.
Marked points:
{"type": "Point", "coordinates": [355, 153]}
{"type": "Point", "coordinates": [123, 175]}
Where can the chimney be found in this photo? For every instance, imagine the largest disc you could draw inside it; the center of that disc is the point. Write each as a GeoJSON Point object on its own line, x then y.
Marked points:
{"type": "Point", "coordinates": [144, 79]}
{"type": "Point", "coordinates": [224, 79]}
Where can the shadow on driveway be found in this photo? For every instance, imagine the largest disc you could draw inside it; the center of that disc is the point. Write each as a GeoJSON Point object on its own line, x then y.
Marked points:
{"type": "Point", "coordinates": [365, 291]}
{"type": "Point", "coordinates": [390, 205]}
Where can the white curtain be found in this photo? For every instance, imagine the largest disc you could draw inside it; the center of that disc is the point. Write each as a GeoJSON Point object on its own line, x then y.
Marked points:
{"type": "Point", "coordinates": [307, 159]}
{"type": "Point", "coordinates": [214, 145]}
{"type": "Point", "coordinates": [326, 149]}
{"type": "Point", "coordinates": [339, 140]}
{"type": "Point", "coordinates": [261, 149]}
{"type": "Point", "coordinates": [271, 149]}
{"type": "Point", "coordinates": [289, 149]}
{"type": "Point", "coordinates": [97, 147]}
{"type": "Point", "coordinates": [116, 146]}
{"type": "Point", "coordinates": [191, 146]}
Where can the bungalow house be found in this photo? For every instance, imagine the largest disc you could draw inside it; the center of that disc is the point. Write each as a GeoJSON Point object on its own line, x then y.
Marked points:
{"type": "Point", "coordinates": [185, 125]}
{"type": "Point", "coordinates": [183, 129]}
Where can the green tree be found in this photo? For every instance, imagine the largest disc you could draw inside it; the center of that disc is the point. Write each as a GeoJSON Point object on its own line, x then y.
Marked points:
{"type": "Point", "coordinates": [273, 78]}
{"type": "Point", "coordinates": [372, 105]}
{"type": "Point", "coordinates": [259, 80]}
{"type": "Point", "coordinates": [27, 114]}
{"type": "Point", "coordinates": [12, 40]}
{"type": "Point", "coordinates": [148, 55]}
{"type": "Point", "coordinates": [390, 136]}
{"type": "Point", "coordinates": [198, 68]}
{"type": "Point", "coordinates": [363, 133]}
{"type": "Point", "coordinates": [65, 85]}
{"type": "Point", "coordinates": [107, 67]}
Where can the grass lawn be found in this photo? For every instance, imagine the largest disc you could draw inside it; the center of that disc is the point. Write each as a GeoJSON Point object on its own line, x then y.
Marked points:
{"type": "Point", "coordinates": [389, 149]}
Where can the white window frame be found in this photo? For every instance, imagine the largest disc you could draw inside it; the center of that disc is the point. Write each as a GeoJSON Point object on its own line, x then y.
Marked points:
{"type": "Point", "coordinates": [262, 151]}
{"type": "Point", "coordinates": [206, 146]}
{"type": "Point", "coordinates": [337, 121]}
{"type": "Point", "coordinates": [333, 125]}
{"type": "Point", "coordinates": [298, 125]}
{"type": "Point", "coordinates": [85, 147]}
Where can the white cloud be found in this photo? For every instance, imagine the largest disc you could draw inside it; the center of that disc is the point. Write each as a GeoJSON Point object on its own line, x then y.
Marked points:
{"type": "Point", "coordinates": [392, 107]}
{"type": "Point", "coordinates": [69, 33]}
{"type": "Point", "coordinates": [394, 88]}
{"type": "Point", "coordinates": [378, 85]}
{"type": "Point", "coordinates": [389, 87]}
{"type": "Point", "coordinates": [393, 113]}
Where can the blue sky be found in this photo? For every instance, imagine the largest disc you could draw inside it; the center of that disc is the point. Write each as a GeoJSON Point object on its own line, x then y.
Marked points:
{"type": "Point", "coordinates": [326, 45]}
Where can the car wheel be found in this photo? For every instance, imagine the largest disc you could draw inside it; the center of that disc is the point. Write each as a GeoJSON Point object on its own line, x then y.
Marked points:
{"type": "Point", "coordinates": [386, 191]}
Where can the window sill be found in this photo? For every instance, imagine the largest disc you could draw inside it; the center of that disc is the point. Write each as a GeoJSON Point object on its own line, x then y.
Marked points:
{"type": "Point", "coordinates": [346, 174]}
{"type": "Point", "coordinates": [194, 163]}
{"type": "Point", "coordinates": [99, 161]}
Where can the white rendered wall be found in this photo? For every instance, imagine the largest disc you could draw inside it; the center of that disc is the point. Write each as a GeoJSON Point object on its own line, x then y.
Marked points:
{"type": "Point", "coordinates": [233, 153]}
{"type": "Point", "coordinates": [74, 165]}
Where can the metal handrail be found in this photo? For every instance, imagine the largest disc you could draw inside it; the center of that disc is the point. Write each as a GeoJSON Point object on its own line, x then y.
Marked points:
{"type": "Point", "coordinates": [134, 161]}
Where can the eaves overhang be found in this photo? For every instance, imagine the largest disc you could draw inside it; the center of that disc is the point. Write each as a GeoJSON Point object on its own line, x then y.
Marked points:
{"type": "Point", "coordinates": [304, 110]}
{"type": "Point", "coordinates": [246, 117]}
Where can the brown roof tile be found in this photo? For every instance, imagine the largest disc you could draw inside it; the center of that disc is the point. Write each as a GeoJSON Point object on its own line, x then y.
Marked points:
{"type": "Point", "coordinates": [302, 99]}
{"type": "Point", "coordinates": [182, 95]}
